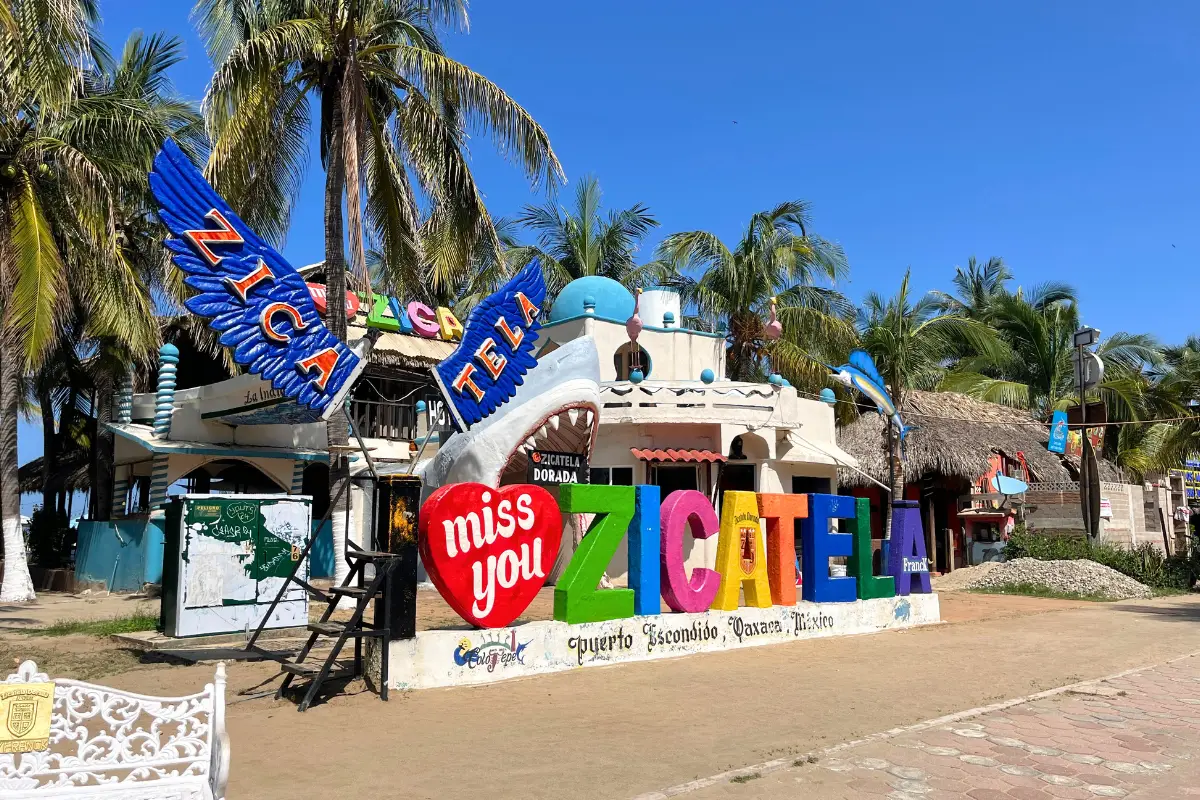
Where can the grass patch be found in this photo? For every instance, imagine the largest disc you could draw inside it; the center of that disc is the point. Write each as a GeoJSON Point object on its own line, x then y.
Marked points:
{"type": "Point", "coordinates": [132, 623]}
{"type": "Point", "coordinates": [746, 778]}
{"type": "Point", "coordinates": [1037, 590]}
{"type": "Point", "coordinates": [805, 761]}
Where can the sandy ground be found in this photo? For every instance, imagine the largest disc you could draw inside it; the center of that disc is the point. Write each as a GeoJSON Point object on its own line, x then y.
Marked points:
{"type": "Point", "coordinates": [618, 731]}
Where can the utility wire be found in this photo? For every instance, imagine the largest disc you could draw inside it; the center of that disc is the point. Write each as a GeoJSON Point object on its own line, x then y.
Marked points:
{"type": "Point", "coordinates": [1031, 422]}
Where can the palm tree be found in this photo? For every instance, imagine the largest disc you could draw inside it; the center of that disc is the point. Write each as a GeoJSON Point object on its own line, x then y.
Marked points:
{"type": "Point", "coordinates": [777, 259]}
{"type": "Point", "coordinates": [913, 343]}
{"type": "Point", "coordinates": [978, 286]}
{"type": "Point", "coordinates": [579, 241]}
{"type": "Point", "coordinates": [1035, 371]}
{"type": "Point", "coordinates": [393, 115]}
{"type": "Point", "coordinates": [77, 134]}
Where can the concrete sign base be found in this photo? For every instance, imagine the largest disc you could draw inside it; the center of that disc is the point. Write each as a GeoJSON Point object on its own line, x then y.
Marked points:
{"type": "Point", "coordinates": [464, 657]}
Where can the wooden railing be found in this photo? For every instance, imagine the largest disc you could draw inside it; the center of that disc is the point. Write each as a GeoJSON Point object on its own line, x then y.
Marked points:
{"type": "Point", "coordinates": [377, 419]}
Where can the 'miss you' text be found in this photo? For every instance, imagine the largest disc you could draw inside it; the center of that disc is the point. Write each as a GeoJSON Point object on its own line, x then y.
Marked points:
{"type": "Point", "coordinates": [478, 529]}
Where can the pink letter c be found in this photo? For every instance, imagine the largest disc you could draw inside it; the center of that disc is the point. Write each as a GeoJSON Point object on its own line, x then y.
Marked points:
{"type": "Point", "coordinates": [686, 508]}
{"type": "Point", "coordinates": [423, 319]}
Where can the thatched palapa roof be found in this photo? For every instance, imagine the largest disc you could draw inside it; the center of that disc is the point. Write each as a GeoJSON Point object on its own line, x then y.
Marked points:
{"type": "Point", "coordinates": [955, 436]}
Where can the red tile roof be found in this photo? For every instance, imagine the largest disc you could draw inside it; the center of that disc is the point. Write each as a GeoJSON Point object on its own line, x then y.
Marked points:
{"type": "Point", "coordinates": [676, 455]}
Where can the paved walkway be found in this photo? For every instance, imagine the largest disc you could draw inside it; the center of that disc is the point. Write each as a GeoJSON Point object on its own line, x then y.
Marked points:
{"type": "Point", "coordinates": [1133, 736]}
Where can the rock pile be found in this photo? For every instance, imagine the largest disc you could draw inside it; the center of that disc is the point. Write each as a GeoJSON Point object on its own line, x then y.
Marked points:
{"type": "Point", "coordinates": [1075, 577]}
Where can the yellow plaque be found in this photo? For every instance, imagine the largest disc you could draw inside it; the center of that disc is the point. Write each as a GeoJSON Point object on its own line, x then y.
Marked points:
{"type": "Point", "coordinates": [25, 710]}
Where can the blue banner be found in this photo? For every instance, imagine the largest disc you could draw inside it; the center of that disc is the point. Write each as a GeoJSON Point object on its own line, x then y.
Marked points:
{"type": "Point", "coordinates": [496, 350]}
{"type": "Point", "coordinates": [1058, 432]}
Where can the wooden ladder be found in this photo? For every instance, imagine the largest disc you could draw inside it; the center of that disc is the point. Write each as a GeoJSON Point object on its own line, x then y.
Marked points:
{"type": "Point", "coordinates": [356, 628]}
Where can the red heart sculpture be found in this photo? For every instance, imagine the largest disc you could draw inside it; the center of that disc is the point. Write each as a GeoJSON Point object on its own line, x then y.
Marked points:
{"type": "Point", "coordinates": [488, 551]}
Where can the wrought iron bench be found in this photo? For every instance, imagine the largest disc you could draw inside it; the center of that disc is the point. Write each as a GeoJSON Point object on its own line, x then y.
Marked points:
{"type": "Point", "coordinates": [114, 745]}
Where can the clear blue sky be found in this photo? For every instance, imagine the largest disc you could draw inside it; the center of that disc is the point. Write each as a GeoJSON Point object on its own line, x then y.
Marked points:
{"type": "Point", "coordinates": [1062, 136]}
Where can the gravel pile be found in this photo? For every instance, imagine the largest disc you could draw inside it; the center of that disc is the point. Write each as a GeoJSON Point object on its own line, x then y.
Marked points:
{"type": "Point", "coordinates": [964, 577]}
{"type": "Point", "coordinates": [1077, 577]}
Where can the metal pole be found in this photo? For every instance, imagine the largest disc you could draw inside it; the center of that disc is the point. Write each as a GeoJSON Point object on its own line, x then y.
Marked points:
{"type": "Point", "coordinates": [887, 534]}
{"type": "Point", "coordinates": [1085, 499]}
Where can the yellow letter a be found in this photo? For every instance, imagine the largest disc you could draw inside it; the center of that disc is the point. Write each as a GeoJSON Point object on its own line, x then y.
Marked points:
{"type": "Point", "coordinates": [740, 557]}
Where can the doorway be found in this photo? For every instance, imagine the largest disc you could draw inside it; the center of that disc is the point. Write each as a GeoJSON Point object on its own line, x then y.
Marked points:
{"type": "Point", "coordinates": [673, 477]}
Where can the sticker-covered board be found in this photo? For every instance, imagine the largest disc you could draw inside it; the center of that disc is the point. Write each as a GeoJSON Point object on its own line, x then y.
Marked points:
{"type": "Point", "coordinates": [227, 557]}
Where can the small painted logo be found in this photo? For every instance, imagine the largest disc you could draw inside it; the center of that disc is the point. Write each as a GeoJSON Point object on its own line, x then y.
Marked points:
{"type": "Point", "coordinates": [903, 611]}
{"type": "Point", "coordinates": [22, 714]}
{"type": "Point", "coordinates": [242, 512]}
{"type": "Point", "coordinates": [748, 548]}
{"type": "Point", "coordinates": [535, 457]}
{"type": "Point", "coordinates": [491, 654]}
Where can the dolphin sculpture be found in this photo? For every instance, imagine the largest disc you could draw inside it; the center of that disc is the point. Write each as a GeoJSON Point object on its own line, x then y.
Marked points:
{"type": "Point", "coordinates": [860, 373]}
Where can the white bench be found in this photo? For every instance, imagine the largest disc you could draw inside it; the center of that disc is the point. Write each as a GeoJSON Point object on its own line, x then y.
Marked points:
{"type": "Point", "coordinates": [112, 745]}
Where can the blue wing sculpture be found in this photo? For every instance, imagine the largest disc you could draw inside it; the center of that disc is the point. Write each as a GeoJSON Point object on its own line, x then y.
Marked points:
{"type": "Point", "coordinates": [249, 293]}
{"type": "Point", "coordinates": [496, 350]}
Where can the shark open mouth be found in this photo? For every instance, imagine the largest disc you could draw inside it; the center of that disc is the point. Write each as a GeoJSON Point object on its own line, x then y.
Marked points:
{"type": "Point", "coordinates": [571, 428]}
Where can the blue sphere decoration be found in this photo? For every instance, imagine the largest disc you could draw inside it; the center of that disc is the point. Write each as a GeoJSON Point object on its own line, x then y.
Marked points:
{"type": "Point", "coordinates": [668, 319]}
{"type": "Point", "coordinates": [708, 376]}
{"type": "Point", "coordinates": [610, 300]}
{"type": "Point", "coordinates": [776, 379]}
{"type": "Point", "coordinates": [636, 376]}
{"type": "Point", "coordinates": [421, 406]}
{"type": "Point", "coordinates": [827, 396]}
{"type": "Point", "coordinates": [589, 303]}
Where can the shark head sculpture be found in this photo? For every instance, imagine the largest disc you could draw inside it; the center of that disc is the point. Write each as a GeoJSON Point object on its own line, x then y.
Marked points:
{"type": "Point", "coordinates": [557, 407]}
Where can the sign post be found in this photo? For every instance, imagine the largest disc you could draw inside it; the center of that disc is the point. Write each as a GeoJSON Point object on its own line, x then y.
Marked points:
{"type": "Point", "coordinates": [1086, 377]}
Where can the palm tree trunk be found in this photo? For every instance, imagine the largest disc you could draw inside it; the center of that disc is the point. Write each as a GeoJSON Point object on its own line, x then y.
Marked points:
{"type": "Point", "coordinates": [17, 586]}
{"type": "Point", "coordinates": [896, 475]}
{"type": "Point", "coordinates": [49, 452]}
{"type": "Point", "coordinates": [101, 462]}
{"type": "Point", "coordinates": [335, 294]}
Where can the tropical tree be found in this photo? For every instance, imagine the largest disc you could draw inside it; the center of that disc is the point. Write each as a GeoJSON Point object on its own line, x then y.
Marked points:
{"type": "Point", "coordinates": [393, 112]}
{"type": "Point", "coordinates": [977, 287]}
{"type": "Point", "coordinates": [77, 133]}
{"type": "Point", "coordinates": [913, 342]}
{"type": "Point", "coordinates": [1035, 370]}
{"type": "Point", "coordinates": [582, 240]}
{"type": "Point", "coordinates": [777, 260]}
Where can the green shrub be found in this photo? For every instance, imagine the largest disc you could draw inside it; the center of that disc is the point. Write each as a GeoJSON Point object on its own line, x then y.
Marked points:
{"type": "Point", "coordinates": [1145, 563]}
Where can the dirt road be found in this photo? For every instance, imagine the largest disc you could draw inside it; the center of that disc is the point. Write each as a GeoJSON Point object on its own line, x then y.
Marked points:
{"type": "Point", "coordinates": [621, 731]}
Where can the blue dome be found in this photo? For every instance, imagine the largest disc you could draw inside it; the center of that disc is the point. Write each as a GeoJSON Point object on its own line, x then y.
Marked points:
{"type": "Point", "coordinates": [708, 376]}
{"type": "Point", "coordinates": [827, 396]}
{"type": "Point", "coordinates": [613, 301]}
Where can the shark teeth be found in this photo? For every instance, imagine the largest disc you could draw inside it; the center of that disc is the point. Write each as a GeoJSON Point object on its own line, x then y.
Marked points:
{"type": "Point", "coordinates": [555, 435]}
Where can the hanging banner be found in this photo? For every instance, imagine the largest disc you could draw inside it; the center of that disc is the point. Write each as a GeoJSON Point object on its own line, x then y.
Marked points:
{"type": "Point", "coordinates": [1058, 432]}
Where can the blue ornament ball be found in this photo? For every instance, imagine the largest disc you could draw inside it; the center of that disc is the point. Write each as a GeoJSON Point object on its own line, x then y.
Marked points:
{"type": "Point", "coordinates": [421, 406]}
{"type": "Point", "coordinates": [636, 376]}
{"type": "Point", "coordinates": [827, 396]}
{"type": "Point", "coordinates": [776, 379]}
{"type": "Point", "coordinates": [708, 376]}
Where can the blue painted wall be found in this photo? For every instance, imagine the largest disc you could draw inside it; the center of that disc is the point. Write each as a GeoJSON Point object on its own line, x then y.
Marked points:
{"type": "Point", "coordinates": [320, 559]}
{"type": "Point", "coordinates": [126, 554]}
{"type": "Point", "coordinates": [123, 555]}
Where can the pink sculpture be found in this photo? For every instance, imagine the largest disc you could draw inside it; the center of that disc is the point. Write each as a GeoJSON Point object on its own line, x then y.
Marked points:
{"type": "Point", "coordinates": [633, 325]}
{"type": "Point", "coordinates": [691, 509]}
{"type": "Point", "coordinates": [774, 328]}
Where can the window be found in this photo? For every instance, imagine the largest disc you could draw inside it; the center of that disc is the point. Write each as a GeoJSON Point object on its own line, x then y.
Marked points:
{"type": "Point", "coordinates": [614, 476]}
{"type": "Point", "coordinates": [623, 361]}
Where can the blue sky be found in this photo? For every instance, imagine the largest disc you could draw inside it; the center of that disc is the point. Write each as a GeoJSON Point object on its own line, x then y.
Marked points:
{"type": "Point", "coordinates": [1061, 136]}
